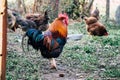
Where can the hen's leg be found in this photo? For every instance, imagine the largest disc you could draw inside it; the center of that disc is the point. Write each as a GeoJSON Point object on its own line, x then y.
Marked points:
{"type": "Point", "coordinates": [53, 63]}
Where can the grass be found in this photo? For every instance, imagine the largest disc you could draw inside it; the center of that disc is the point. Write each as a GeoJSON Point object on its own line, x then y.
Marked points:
{"type": "Point", "coordinates": [90, 50]}
{"type": "Point", "coordinates": [90, 55]}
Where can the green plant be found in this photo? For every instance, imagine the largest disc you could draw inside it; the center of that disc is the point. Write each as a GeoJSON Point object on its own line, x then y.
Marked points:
{"type": "Point", "coordinates": [114, 72]}
{"type": "Point", "coordinates": [89, 49]}
{"type": "Point", "coordinates": [111, 41]}
{"type": "Point", "coordinates": [73, 9]}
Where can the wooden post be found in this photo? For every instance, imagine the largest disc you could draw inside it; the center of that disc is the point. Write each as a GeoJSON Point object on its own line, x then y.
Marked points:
{"type": "Point", "coordinates": [107, 9]}
{"type": "Point", "coordinates": [3, 38]}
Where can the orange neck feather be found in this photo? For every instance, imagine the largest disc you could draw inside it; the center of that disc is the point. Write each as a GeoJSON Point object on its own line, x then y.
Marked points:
{"type": "Point", "coordinates": [58, 28]}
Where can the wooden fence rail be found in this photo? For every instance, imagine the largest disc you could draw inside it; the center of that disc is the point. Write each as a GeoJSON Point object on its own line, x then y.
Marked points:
{"type": "Point", "coordinates": [3, 38]}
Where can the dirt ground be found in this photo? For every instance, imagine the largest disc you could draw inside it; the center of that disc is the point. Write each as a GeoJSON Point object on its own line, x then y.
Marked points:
{"type": "Point", "coordinates": [66, 69]}
{"type": "Point", "coordinates": [63, 72]}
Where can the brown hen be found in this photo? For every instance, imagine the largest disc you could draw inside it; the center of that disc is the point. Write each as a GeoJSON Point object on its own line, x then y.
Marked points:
{"type": "Point", "coordinates": [94, 27]}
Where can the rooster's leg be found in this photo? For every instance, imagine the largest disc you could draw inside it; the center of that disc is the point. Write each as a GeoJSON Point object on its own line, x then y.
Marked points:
{"type": "Point", "coordinates": [53, 63]}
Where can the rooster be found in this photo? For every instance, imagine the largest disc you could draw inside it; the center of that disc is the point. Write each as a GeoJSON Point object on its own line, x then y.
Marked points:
{"type": "Point", "coordinates": [51, 42]}
{"type": "Point", "coordinates": [94, 27]}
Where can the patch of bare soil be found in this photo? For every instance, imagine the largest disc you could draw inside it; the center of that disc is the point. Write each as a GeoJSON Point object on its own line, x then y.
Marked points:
{"type": "Point", "coordinates": [63, 71]}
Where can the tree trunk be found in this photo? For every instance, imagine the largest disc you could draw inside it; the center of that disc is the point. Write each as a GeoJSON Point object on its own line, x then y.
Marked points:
{"type": "Point", "coordinates": [3, 38]}
{"type": "Point", "coordinates": [23, 5]}
{"type": "Point", "coordinates": [37, 5]}
{"type": "Point", "coordinates": [107, 9]}
{"type": "Point", "coordinates": [34, 6]}
{"type": "Point", "coordinates": [54, 4]}
{"type": "Point", "coordinates": [89, 7]}
{"type": "Point", "coordinates": [117, 16]}
{"type": "Point", "coordinates": [83, 7]}
{"type": "Point", "coordinates": [86, 9]}
{"type": "Point", "coordinates": [18, 4]}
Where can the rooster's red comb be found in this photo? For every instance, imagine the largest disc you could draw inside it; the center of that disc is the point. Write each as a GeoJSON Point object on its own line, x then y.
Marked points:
{"type": "Point", "coordinates": [64, 15]}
